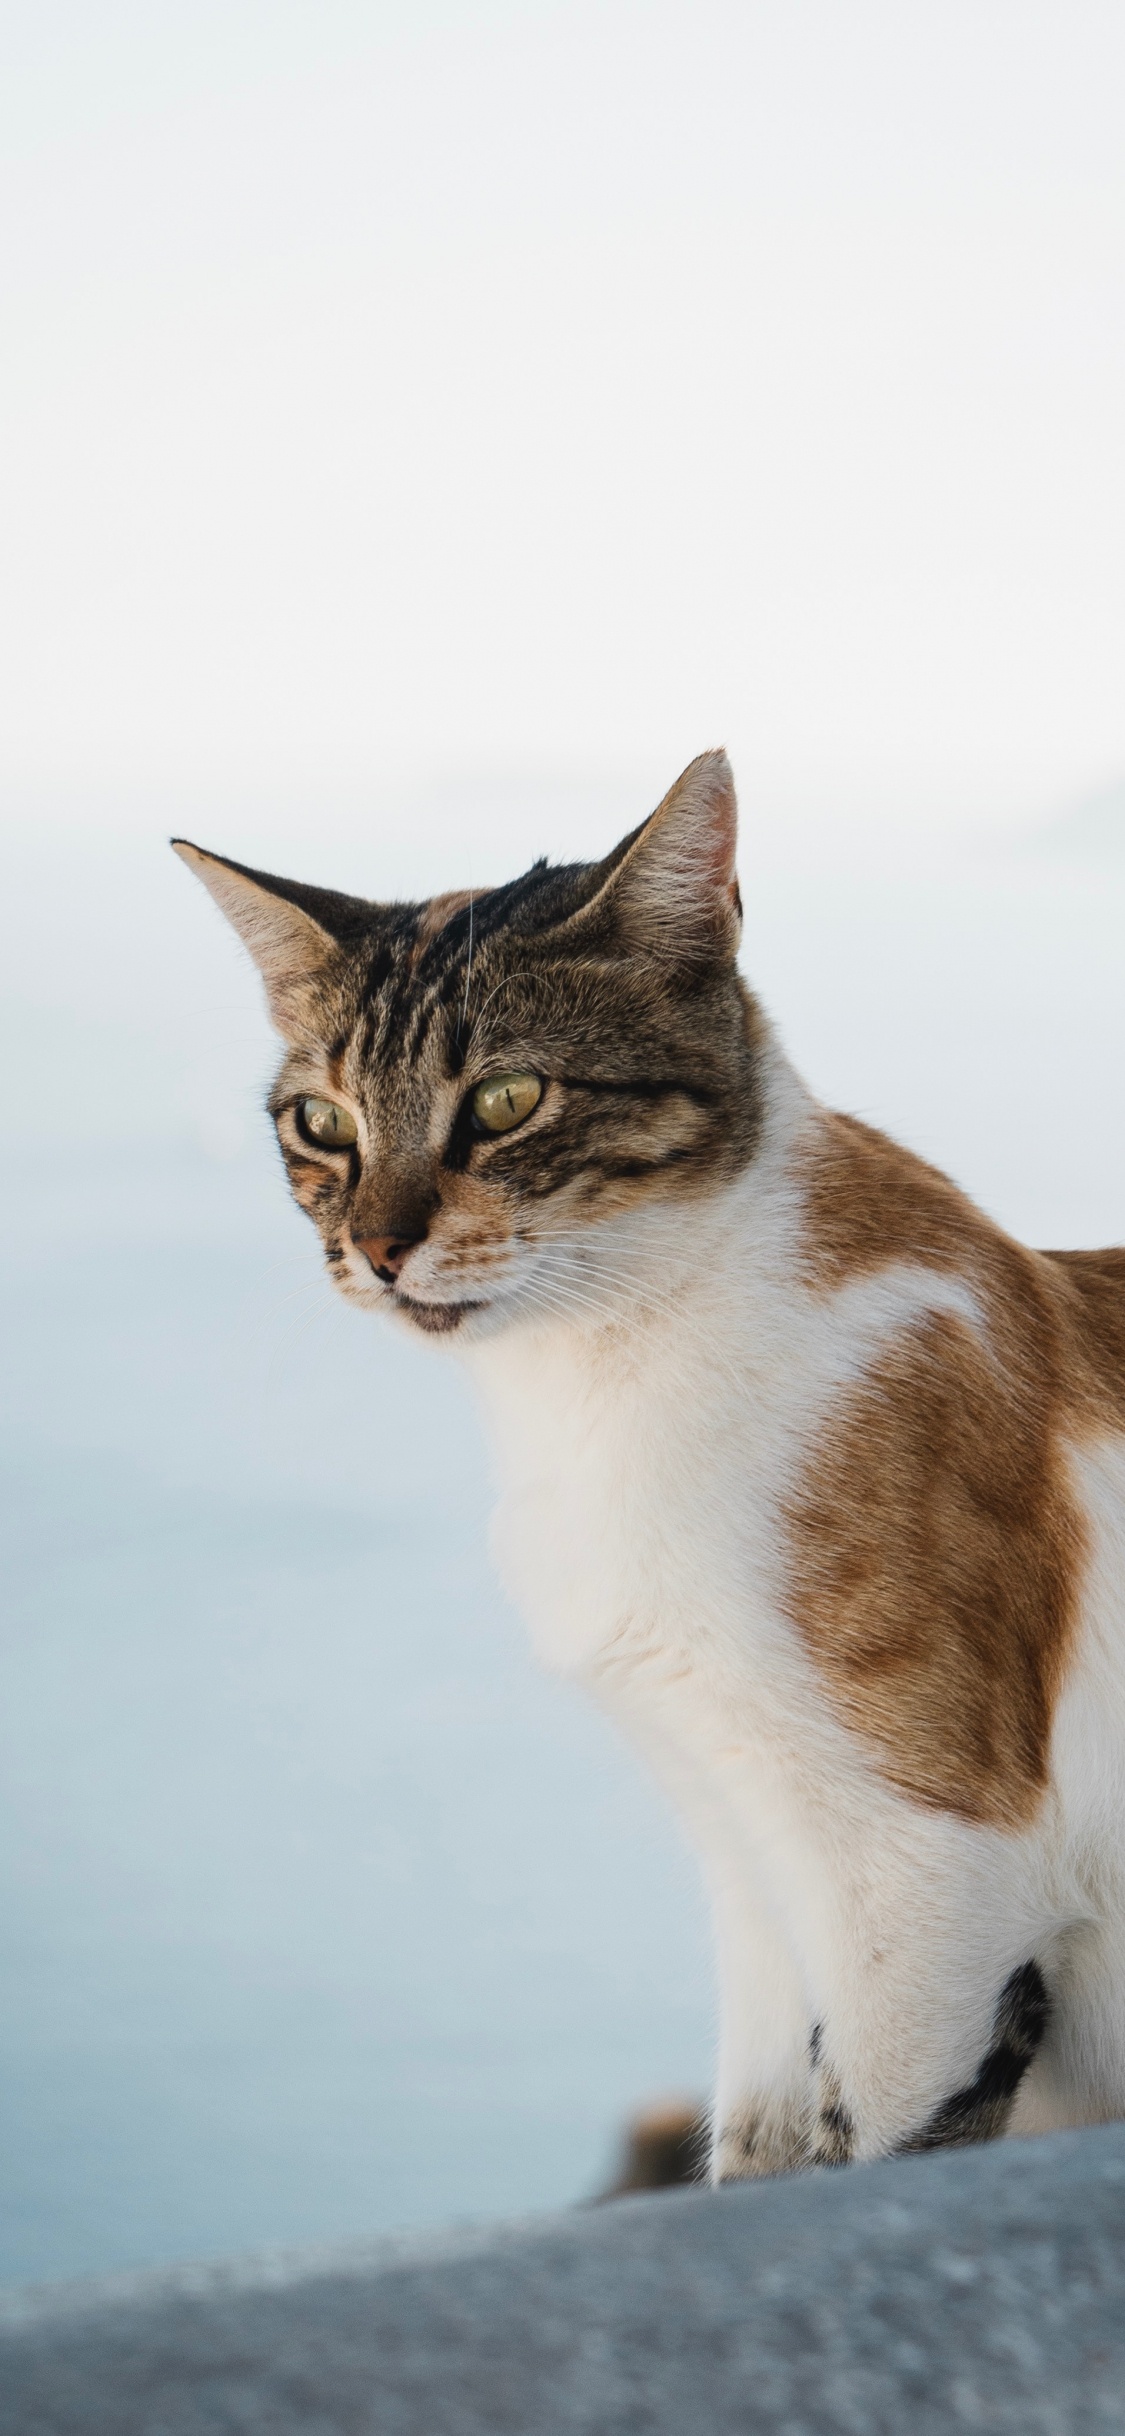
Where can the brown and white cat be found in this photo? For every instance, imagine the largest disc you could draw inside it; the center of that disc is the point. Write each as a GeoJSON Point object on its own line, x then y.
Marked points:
{"type": "Point", "coordinates": [814, 1476]}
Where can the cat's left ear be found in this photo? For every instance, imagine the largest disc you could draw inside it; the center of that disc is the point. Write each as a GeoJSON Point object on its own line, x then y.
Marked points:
{"type": "Point", "coordinates": [293, 933]}
{"type": "Point", "coordinates": [674, 889]}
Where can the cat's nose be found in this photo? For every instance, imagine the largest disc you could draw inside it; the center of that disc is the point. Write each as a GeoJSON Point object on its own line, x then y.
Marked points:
{"type": "Point", "coordinates": [386, 1253]}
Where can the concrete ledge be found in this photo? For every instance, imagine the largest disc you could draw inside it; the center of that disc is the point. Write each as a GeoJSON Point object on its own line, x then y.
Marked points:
{"type": "Point", "coordinates": [982, 2289]}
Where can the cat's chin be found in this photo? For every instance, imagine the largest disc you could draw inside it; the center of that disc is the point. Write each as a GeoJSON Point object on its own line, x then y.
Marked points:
{"type": "Point", "coordinates": [435, 1319]}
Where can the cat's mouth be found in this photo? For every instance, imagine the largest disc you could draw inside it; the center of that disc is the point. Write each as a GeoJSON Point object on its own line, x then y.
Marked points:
{"type": "Point", "coordinates": [436, 1319]}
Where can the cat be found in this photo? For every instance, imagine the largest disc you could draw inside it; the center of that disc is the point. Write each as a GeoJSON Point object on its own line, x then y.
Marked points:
{"type": "Point", "coordinates": [813, 1476]}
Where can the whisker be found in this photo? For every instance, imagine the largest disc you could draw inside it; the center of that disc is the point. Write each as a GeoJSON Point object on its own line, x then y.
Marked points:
{"type": "Point", "coordinates": [562, 1296]}
{"type": "Point", "coordinates": [621, 1279]}
{"type": "Point", "coordinates": [287, 1340]}
{"type": "Point", "coordinates": [649, 1297]}
{"type": "Point", "coordinates": [568, 1288]}
{"type": "Point", "coordinates": [505, 982]}
{"type": "Point", "coordinates": [539, 1295]}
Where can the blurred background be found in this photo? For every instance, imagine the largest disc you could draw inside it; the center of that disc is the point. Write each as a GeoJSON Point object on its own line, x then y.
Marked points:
{"type": "Point", "coordinates": [425, 428]}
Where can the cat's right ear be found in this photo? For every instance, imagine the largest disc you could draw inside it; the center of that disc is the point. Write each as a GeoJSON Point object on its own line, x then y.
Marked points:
{"type": "Point", "coordinates": [290, 946]}
{"type": "Point", "coordinates": [672, 887]}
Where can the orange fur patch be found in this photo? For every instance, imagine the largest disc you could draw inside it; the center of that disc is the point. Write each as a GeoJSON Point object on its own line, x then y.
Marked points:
{"type": "Point", "coordinates": [936, 1560]}
{"type": "Point", "coordinates": [868, 1202]}
{"type": "Point", "coordinates": [1093, 1294]}
{"type": "Point", "coordinates": [936, 1551]}
{"type": "Point", "coordinates": [310, 1181]}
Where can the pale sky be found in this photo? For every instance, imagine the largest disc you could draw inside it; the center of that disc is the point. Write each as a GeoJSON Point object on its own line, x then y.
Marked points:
{"type": "Point", "coordinates": [401, 395]}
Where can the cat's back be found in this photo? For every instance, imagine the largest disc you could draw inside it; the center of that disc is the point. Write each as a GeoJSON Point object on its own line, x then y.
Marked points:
{"type": "Point", "coordinates": [1094, 1300]}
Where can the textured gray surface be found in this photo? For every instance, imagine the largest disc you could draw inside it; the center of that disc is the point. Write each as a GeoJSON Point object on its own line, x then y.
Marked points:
{"type": "Point", "coordinates": [980, 2289]}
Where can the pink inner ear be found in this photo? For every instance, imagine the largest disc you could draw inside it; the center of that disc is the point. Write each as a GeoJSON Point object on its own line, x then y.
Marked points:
{"type": "Point", "coordinates": [717, 844]}
{"type": "Point", "coordinates": [721, 847]}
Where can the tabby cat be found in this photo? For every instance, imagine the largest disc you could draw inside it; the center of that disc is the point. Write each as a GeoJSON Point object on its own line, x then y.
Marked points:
{"type": "Point", "coordinates": [814, 1476]}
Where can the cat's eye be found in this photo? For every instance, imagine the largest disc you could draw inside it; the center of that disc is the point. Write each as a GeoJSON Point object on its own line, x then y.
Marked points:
{"type": "Point", "coordinates": [505, 1100]}
{"type": "Point", "coordinates": [324, 1122]}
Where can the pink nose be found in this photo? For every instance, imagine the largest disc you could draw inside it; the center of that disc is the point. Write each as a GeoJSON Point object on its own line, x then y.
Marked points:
{"type": "Point", "coordinates": [386, 1253]}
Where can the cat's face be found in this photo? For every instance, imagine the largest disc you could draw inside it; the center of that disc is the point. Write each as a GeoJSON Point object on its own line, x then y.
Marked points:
{"type": "Point", "coordinates": [479, 1097]}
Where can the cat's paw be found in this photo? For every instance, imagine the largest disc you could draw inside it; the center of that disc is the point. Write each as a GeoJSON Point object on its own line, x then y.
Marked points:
{"type": "Point", "coordinates": [782, 2135]}
{"type": "Point", "coordinates": [762, 2138]}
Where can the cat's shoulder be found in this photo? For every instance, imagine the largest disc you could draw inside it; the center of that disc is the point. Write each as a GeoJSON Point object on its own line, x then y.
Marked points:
{"type": "Point", "coordinates": [867, 1204]}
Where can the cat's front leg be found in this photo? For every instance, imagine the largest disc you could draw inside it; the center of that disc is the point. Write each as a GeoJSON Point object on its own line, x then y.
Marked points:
{"type": "Point", "coordinates": [929, 2003]}
{"type": "Point", "coordinates": [778, 2105]}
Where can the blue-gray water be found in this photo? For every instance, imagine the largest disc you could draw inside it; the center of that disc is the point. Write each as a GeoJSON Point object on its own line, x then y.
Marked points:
{"type": "Point", "coordinates": [321, 1910]}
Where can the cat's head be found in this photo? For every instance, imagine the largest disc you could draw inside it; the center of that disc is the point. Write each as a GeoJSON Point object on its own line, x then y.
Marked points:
{"type": "Point", "coordinates": [482, 1095]}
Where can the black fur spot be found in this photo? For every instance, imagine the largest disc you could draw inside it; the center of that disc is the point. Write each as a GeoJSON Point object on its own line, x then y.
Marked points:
{"type": "Point", "coordinates": [981, 2111]}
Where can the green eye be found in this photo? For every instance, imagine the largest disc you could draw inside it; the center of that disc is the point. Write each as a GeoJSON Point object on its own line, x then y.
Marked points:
{"type": "Point", "coordinates": [327, 1124]}
{"type": "Point", "coordinates": [505, 1100]}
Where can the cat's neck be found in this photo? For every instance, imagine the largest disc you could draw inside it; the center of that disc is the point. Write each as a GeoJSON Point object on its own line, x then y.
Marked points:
{"type": "Point", "coordinates": [641, 1405]}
